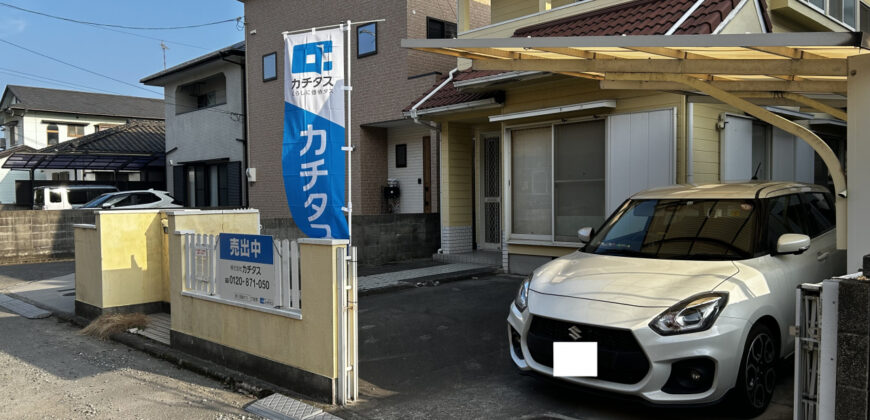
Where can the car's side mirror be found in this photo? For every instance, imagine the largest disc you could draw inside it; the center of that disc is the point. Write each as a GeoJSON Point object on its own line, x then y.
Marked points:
{"type": "Point", "coordinates": [792, 243]}
{"type": "Point", "coordinates": [106, 206]}
{"type": "Point", "coordinates": [585, 234]}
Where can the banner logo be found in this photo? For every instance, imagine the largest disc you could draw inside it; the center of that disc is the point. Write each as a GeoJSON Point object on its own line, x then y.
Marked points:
{"type": "Point", "coordinates": [312, 159]}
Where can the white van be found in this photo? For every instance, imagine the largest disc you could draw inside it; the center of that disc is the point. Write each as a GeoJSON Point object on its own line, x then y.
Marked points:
{"type": "Point", "coordinates": [67, 197]}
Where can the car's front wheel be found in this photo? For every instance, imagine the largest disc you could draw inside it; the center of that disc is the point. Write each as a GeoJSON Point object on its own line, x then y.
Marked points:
{"type": "Point", "coordinates": [757, 377]}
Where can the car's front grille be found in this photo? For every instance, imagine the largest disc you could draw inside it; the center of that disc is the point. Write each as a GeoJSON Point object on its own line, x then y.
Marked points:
{"type": "Point", "coordinates": [620, 357]}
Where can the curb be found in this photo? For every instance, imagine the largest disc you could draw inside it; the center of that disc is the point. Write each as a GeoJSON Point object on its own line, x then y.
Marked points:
{"type": "Point", "coordinates": [429, 280]}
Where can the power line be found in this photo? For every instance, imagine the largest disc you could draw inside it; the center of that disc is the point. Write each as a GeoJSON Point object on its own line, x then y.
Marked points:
{"type": "Point", "coordinates": [149, 37]}
{"type": "Point", "coordinates": [109, 25]}
{"type": "Point", "coordinates": [78, 67]}
{"type": "Point", "coordinates": [30, 76]}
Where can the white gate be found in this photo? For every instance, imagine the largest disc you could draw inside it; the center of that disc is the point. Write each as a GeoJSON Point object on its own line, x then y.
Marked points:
{"type": "Point", "coordinates": [200, 274]}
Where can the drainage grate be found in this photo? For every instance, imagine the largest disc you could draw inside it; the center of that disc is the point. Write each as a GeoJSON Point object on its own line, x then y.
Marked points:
{"type": "Point", "coordinates": [282, 407]}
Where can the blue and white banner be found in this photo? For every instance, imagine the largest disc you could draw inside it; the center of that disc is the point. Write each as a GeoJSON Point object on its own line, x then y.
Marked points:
{"type": "Point", "coordinates": [312, 159]}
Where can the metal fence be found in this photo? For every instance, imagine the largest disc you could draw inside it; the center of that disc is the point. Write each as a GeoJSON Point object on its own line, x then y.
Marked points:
{"type": "Point", "coordinates": [200, 274]}
{"type": "Point", "coordinates": [815, 350]}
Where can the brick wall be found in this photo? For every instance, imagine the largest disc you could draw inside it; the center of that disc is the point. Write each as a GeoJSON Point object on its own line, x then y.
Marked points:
{"type": "Point", "coordinates": [381, 83]}
{"type": "Point", "coordinates": [28, 236]}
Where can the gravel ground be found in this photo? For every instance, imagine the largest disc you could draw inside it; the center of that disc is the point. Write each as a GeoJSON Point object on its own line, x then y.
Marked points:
{"type": "Point", "coordinates": [50, 371]}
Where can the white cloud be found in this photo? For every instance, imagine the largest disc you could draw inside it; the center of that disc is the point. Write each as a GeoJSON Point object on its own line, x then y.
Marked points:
{"type": "Point", "coordinates": [12, 26]}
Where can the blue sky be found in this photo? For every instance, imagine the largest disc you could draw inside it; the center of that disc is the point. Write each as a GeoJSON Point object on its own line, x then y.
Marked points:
{"type": "Point", "coordinates": [119, 55]}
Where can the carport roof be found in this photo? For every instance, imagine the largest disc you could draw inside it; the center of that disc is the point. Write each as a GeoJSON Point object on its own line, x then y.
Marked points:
{"type": "Point", "coordinates": [793, 62]}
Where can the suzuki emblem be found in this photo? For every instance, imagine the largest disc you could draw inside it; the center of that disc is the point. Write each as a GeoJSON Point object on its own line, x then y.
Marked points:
{"type": "Point", "coordinates": [575, 333]}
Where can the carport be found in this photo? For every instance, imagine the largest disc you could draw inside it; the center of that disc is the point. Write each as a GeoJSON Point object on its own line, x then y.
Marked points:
{"type": "Point", "coordinates": [738, 70]}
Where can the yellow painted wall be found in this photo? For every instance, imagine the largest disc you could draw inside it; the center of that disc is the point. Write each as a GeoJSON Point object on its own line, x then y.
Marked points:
{"type": "Point", "coordinates": [132, 257]}
{"type": "Point", "coordinates": [89, 285]}
{"type": "Point", "coordinates": [503, 10]}
{"type": "Point", "coordinates": [456, 166]}
{"type": "Point", "coordinates": [214, 222]}
{"type": "Point", "coordinates": [309, 344]}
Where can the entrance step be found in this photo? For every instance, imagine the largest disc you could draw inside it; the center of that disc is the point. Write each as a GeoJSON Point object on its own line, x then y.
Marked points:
{"type": "Point", "coordinates": [157, 329]}
{"type": "Point", "coordinates": [490, 258]}
{"type": "Point", "coordinates": [411, 278]}
{"type": "Point", "coordinates": [282, 407]}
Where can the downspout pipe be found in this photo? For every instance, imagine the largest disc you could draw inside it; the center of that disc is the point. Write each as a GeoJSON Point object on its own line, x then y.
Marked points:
{"type": "Point", "coordinates": [413, 111]}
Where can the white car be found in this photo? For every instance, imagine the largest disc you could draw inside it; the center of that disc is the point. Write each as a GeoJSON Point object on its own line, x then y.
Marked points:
{"type": "Point", "coordinates": [144, 199]}
{"type": "Point", "coordinates": [689, 291]}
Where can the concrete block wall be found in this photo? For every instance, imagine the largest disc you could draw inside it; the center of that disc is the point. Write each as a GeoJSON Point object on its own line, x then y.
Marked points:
{"type": "Point", "coordinates": [379, 238]}
{"type": "Point", "coordinates": [853, 350]}
{"type": "Point", "coordinates": [28, 236]}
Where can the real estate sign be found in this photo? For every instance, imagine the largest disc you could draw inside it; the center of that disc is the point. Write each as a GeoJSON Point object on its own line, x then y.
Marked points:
{"type": "Point", "coordinates": [312, 159]}
{"type": "Point", "coordinates": [246, 270]}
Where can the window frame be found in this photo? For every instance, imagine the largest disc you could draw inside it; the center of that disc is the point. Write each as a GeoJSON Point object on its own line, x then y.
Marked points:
{"type": "Point", "coordinates": [274, 67]}
{"type": "Point", "coordinates": [370, 53]}
{"type": "Point", "coordinates": [444, 24]}
{"type": "Point", "coordinates": [826, 11]}
{"type": "Point", "coordinates": [74, 127]}
{"type": "Point", "coordinates": [507, 159]}
{"type": "Point", "coordinates": [53, 129]}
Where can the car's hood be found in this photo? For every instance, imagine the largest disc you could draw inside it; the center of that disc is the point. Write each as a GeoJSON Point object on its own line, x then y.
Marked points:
{"type": "Point", "coordinates": [629, 281]}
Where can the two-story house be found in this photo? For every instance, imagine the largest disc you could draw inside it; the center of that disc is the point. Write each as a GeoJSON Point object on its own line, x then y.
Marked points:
{"type": "Point", "coordinates": [35, 118]}
{"type": "Point", "coordinates": [557, 152]}
{"type": "Point", "coordinates": [205, 128]}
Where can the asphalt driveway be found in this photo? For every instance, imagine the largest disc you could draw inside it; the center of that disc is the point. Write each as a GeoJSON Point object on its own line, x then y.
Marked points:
{"type": "Point", "coordinates": [440, 352]}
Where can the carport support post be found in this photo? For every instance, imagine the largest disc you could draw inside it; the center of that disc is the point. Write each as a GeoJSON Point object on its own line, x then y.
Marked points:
{"type": "Point", "coordinates": [857, 151]}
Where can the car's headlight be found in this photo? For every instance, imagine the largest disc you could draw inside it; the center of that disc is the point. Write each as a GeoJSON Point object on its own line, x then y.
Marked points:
{"type": "Point", "coordinates": [522, 299]}
{"type": "Point", "coordinates": [694, 314]}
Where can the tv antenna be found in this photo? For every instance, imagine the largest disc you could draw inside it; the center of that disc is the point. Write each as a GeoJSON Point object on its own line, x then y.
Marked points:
{"type": "Point", "coordinates": [164, 47]}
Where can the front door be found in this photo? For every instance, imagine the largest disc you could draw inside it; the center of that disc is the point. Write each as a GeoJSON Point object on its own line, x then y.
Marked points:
{"type": "Point", "coordinates": [490, 191]}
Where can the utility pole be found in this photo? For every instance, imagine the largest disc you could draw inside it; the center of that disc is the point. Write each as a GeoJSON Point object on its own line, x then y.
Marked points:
{"type": "Point", "coordinates": [164, 47]}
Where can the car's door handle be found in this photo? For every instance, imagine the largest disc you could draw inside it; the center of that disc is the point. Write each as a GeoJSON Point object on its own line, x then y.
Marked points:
{"type": "Point", "coordinates": [822, 255]}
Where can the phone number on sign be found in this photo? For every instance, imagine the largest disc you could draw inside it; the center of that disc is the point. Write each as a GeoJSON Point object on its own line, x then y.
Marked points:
{"type": "Point", "coordinates": [248, 282]}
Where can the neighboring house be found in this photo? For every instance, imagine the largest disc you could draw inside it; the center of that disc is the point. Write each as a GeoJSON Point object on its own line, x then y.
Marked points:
{"type": "Point", "coordinates": [40, 117]}
{"type": "Point", "coordinates": [385, 78]}
{"type": "Point", "coordinates": [554, 153]}
{"type": "Point", "coordinates": [8, 176]}
{"type": "Point", "coordinates": [130, 156]}
{"type": "Point", "coordinates": [205, 128]}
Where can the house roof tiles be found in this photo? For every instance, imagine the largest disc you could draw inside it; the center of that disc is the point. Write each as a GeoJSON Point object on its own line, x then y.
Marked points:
{"type": "Point", "coordinates": [642, 17]}
{"type": "Point", "coordinates": [86, 103]}
{"type": "Point", "coordinates": [138, 136]}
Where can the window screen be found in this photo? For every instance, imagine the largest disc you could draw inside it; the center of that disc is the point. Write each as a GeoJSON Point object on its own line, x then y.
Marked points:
{"type": "Point", "coordinates": [531, 186]}
{"type": "Point", "coordinates": [578, 178]}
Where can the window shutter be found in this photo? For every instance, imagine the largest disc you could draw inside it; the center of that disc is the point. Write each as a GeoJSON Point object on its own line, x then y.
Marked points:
{"type": "Point", "coordinates": [229, 184]}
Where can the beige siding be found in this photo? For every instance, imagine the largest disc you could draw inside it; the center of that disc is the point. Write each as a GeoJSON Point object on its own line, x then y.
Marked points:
{"type": "Point", "coordinates": [503, 10]}
{"type": "Point", "coordinates": [705, 141]}
{"type": "Point", "coordinates": [746, 21]}
{"type": "Point", "coordinates": [456, 152]}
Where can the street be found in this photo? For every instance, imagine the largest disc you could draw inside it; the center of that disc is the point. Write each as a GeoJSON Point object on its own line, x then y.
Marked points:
{"type": "Point", "coordinates": [50, 371]}
{"type": "Point", "coordinates": [430, 353]}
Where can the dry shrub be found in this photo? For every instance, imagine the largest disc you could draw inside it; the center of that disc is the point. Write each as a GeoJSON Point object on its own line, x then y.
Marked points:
{"type": "Point", "coordinates": [106, 325]}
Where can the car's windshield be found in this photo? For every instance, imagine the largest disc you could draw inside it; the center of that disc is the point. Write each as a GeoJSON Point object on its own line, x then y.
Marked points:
{"type": "Point", "coordinates": [98, 202]}
{"type": "Point", "coordinates": [680, 229]}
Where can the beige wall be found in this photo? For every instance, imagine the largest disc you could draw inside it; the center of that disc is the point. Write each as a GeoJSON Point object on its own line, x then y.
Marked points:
{"type": "Point", "coordinates": [746, 21]}
{"type": "Point", "coordinates": [705, 141]}
{"type": "Point", "coordinates": [309, 344]}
